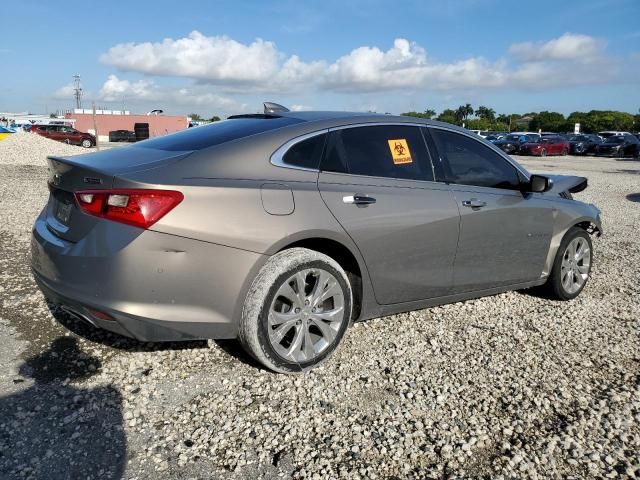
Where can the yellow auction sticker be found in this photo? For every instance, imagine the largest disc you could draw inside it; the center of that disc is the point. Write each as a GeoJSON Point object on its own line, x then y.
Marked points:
{"type": "Point", "coordinates": [400, 151]}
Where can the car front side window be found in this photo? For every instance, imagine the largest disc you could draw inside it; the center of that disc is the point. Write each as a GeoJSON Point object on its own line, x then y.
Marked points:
{"type": "Point", "coordinates": [470, 162]}
{"type": "Point", "coordinates": [391, 151]}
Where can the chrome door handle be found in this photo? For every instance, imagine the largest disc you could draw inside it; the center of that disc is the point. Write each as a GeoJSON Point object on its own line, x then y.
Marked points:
{"type": "Point", "coordinates": [474, 203]}
{"type": "Point", "coordinates": [358, 199]}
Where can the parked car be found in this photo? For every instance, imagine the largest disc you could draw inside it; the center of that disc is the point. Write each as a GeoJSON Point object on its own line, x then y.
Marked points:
{"type": "Point", "coordinates": [619, 146]}
{"type": "Point", "coordinates": [65, 134]}
{"type": "Point", "coordinates": [494, 137]}
{"type": "Point", "coordinates": [583, 144]}
{"type": "Point", "coordinates": [122, 136]}
{"type": "Point", "coordinates": [612, 133]}
{"type": "Point", "coordinates": [5, 132]}
{"type": "Point", "coordinates": [547, 145]}
{"type": "Point", "coordinates": [511, 143]}
{"type": "Point", "coordinates": [282, 229]}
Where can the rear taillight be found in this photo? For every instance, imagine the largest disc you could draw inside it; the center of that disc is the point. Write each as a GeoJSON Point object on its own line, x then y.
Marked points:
{"type": "Point", "coordinates": [140, 208]}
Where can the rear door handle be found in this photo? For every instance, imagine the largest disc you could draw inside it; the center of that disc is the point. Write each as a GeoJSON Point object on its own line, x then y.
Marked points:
{"type": "Point", "coordinates": [474, 203]}
{"type": "Point", "coordinates": [358, 199]}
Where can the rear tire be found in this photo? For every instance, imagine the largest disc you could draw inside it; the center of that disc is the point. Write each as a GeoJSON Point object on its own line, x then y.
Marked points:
{"type": "Point", "coordinates": [543, 153]}
{"type": "Point", "coordinates": [571, 267]}
{"type": "Point", "coordinates": [296, 311]}
{"type": "Point", "coordinates": [565, 152]}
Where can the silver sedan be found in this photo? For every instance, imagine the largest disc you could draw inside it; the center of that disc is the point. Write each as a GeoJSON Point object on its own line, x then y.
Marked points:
{"type": "Point", "coordinates": [281, 229]}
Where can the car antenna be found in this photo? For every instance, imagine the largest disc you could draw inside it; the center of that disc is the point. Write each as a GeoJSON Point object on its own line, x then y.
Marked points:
{"type": "Point", "coordinates": [270, 107]}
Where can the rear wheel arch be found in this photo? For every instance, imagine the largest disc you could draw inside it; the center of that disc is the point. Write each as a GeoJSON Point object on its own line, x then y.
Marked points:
{"type": "Point", "coordinates": [345, 258]}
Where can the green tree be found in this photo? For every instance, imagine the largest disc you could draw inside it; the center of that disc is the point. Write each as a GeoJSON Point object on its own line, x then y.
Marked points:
{"type": "Point", "coordinates": [215, 118]}
{"type": "Point", "coordinates": [486, 113]}
{"type": "Point", "coordinates": [548, 121]}
{"type": "Point", "coordinates": [195, 117]}
{"type": "Point", "coordinates": [428, 114]}
{"type": "Point", "coordinates": [448, 116]}
{"type": "Point", "coordinates": [463, 112]}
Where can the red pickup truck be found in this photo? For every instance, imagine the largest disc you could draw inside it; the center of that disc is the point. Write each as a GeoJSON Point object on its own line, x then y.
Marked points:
{"type": "Point", "coordinates": [65, 134]}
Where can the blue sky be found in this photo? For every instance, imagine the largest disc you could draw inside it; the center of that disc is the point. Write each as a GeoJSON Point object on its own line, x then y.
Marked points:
{"type": "Point", "coordinates": [223, 57]}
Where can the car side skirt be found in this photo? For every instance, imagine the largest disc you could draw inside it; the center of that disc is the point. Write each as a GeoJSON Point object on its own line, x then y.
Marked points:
{"type": "Point", "coordinates": [434, 302]}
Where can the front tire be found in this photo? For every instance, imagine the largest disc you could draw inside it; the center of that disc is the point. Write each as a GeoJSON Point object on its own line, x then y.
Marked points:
{"type": "Point", "coordinates": [86, 143]}
{"type": "Point", "coordinates": [296, 311]}
{"type": "Point", "coordinates": [572, 265]}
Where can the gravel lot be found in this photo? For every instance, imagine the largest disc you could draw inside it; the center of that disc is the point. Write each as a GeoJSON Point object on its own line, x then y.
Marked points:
{"type": "Point", "coordinates": [507, 386]}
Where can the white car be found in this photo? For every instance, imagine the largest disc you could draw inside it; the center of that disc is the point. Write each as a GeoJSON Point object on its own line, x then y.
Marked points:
{"type": "Point", "coordinates": [612, 133]}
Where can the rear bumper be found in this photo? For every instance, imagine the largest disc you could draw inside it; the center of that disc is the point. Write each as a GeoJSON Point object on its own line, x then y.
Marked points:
{"type": "Point", "coordinates": [157, 287]}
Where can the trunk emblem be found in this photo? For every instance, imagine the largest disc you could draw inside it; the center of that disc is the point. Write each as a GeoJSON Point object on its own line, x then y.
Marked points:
{"type": "Point", "coordinates": [92, 180]}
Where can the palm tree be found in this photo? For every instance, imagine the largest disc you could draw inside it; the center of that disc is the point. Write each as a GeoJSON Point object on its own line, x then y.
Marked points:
{"type": "Point", "coordinates": [463, 112]}
{"type": "Point", "coordinates": [429, 113]}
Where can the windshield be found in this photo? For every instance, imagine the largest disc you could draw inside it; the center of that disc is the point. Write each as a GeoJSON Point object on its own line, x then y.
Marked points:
{"type": "Point", "coordinates": [578, 138]}
{"type": "Point", "coordinates": [615, 139]}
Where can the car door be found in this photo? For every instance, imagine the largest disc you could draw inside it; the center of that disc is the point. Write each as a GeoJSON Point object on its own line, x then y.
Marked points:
{"type": "Point", "coordinates": [53, 132]}
{"type": "Point", "coordinates": [504, 234]}
{"type": "Point", "coordinates": [377, 180]}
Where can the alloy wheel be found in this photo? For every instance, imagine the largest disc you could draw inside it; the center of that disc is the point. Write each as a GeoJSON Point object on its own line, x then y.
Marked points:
{"type": "Point", "coordinates": [306, 315]}
{"type": "Point", "coordinates": [576, 261]}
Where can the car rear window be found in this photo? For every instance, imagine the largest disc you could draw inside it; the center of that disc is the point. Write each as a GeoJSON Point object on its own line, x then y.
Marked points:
{"type": "Point", "coordinates": [216, 133]}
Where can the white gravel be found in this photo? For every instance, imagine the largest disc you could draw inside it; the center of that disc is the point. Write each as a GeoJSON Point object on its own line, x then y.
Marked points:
{"type": "Point", "coordinates": [32, 149]}
{"type": "Point", "coordinates": [509, 386]}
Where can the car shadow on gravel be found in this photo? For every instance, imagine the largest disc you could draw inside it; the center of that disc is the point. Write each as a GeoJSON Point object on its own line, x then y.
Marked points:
{"type": "Point", "coordinates": [233, 348]}
{"type": "Point", "coordinates": [56, 430]}
{"type": "Point", "coordinates": [87, 331]}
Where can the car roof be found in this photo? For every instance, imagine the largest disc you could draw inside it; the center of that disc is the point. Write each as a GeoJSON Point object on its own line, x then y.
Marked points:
{"type": "Point", "coordinates": [330, 119]}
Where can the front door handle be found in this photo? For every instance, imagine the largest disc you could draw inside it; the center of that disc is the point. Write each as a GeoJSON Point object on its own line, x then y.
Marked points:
{"type": "Point", "coordinates": [474, 203]}
{"type": "Point", "coordinates": [358, 199]}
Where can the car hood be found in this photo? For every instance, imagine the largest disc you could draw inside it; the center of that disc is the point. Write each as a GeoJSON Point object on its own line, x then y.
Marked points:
{"type": "Point", "coordinates": [563, 183]}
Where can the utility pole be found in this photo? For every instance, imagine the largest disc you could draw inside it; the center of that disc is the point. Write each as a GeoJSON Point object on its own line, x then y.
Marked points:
{"type": "Point", "coordinates": [95, 126]}
{"type": "Point", "coordinates": [77, 90]}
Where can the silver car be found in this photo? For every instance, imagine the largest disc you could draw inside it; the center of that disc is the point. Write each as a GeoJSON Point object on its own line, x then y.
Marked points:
{"type": "Point", "coordinates": [281, 229]}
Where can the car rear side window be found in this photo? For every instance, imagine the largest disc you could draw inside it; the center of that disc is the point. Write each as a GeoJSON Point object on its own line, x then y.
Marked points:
{"type": "Point", "coordinates": [469, 162]}
{"type": "Point", "coordinates": [392, 151]}
{"type": "Point", "coordinates": [216, 133]}
{"type": "Point", "coordinates": [306, 153]}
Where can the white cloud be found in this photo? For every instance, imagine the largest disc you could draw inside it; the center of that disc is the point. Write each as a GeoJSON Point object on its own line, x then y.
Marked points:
{"type": "Point", "coordinates": [260, 67]}
{"type": "Point", "coordinates": [64, 93]}
{"type": "Point", "coordinates": [147, 94]}
{"type": "Point", "coordinates": [214, 59]}
{"type": "Point", "coordinates": [300, 108]}
{"type": "Point", "coordinates": [569, 46]}
{"type": "Point", "coordinates": [115, 89]}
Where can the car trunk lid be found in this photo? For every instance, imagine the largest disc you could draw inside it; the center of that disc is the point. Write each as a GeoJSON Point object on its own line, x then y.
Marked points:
{"type": "Point", "coordinates": [97, 171]}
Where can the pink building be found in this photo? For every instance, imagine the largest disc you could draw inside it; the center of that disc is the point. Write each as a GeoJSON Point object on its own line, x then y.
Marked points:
{"type": "Point", "coordinates": [158, 124]}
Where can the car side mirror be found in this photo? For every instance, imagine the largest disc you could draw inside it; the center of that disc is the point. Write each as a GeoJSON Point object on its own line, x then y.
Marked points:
{"type": "Point", "coordinates": [539, 184]}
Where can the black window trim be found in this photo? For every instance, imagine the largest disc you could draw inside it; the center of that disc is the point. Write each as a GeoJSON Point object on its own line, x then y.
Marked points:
{"type": "Point", "coordinates": [388, 124]}
{"type": "Point", "coordinates": [277, 157]}
{"type": "Point", "coordinates": [517, 167]}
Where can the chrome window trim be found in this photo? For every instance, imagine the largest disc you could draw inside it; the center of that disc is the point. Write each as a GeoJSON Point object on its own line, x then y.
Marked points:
{"type": "Point", "coordinates": [277, 157]}
{"type": "Point", "coordinates": [517, 166]}
{"type": "Point", "coordinates": [378, 124]}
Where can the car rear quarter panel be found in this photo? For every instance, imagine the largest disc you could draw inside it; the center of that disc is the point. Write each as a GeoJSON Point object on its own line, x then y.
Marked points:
{"type": "Point", "coordinates": [231, 211]}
